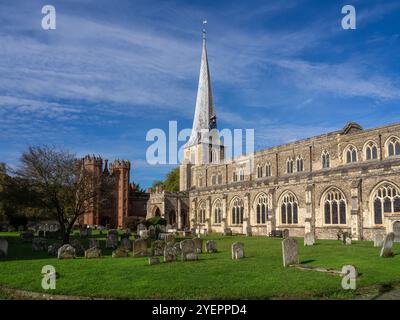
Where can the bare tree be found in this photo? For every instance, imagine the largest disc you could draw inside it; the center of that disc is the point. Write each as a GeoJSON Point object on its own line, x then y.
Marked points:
{"type": "Point", "coordinates": [65, 187]}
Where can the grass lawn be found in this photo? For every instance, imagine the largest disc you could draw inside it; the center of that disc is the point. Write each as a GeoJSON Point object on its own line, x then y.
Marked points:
{"type": "Point", "coordinates": [259, 275]}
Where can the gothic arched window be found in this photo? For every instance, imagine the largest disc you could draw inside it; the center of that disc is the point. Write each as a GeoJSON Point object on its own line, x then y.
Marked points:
{"type": "Point", "coordinates": [371, 151]}
{"type": "Point", "coordinates": [386, 200]}
{"type": "Point", "coordinates": [325, 158]}
{"type": "Point", "coordinates": [217, 212]}
{"type": "Point", "coordinates": [289, 209]}
{"type": "Point", "coordinates": [393, 147]}
{"type": "Point", "coordinates": [299, 164]}
{"type": "Point", "coordinates": [289, 165]}
{"type": "Point", "coordinates": [262, 209]}
{"type": "Point", "coordinates": [334, 207]}
{"type": "Point", "coordinates": [237, 211]}
{"type": "Point", "coordinates": [202, 212]}
{"type": "Point", "coordinates": [351, 154]}
{"type": "Point", "coordinates": [268, 170]}
{"type": "Point", "coordinates": [259, 171]}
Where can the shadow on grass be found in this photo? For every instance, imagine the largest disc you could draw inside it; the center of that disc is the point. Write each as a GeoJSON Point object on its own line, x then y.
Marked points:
{"type": "Point", "coordinates": [307, 261]}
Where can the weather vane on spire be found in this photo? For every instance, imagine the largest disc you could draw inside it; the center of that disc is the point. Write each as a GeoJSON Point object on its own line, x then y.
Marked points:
{"type": "Point", "coordinates": [204, 28]}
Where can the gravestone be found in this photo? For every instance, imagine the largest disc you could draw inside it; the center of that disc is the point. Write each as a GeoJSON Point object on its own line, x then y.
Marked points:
{"type": "Point", "coordinates": [158, 247]}
{"type": "Point", "coordinates": [348, 241]}
{"type": "Point", "coordinates": [345, 236]}
{"type": "Point", "coordinates": [191, 257]}
{"type": "Point", "coordinates": [227, 232]}
{"type": "Point", "coordinates": [94, 243]}
{"type": "Point", "coordinates": [188, 250]}
{"type": "Point", "coordinates": [237, 250]}
{"type": "Point", "coordinates": [211, 246]}
{"type": "Point", "coordinates": [154, 260]}
{"type": "Point", "coordinates": [167, 227]}
{"type": "Point", "coordinates": [39, 244]}
{"type": "Point", "coordinates": [112, 241]}
{"type": "Point", "coordinates": [66, 252]}
{"type": "Point", "coordinates": [140, 227]}
{"type": "Point", "coordinates": [309, 239]}
{"type": "Point", "coordinates": [139, 248]}
{"type": "Point", "coordinates": [52, 249]}
{"type": "Point", "coordinates": [144, 234]}
{"type": "Point", "coordinates": [162, 235]}
{"type": "Point", "coordinates": [378, 240]}
{"type": "Point", "coordinates": [119, 253]}
{"type": "Point", "coordinates": [388, 245]}
{"type": "Point", "coordinates": [285, 233]}
{"type": "Point", "coordinates": [151, 232]}
{"type": "Point", "coordinates": [198, 244]}
{"type": "Point", "coordinates": [169, 252]}
{"type": "Point", "coordinates": [79, 249]}
{"type": "Point", "coordinates": [93, 253]}
{"type": "Point", "coordinates": [3, 247]}
{"type": "Point", "coordinates": [126, 243]}
{"type": "Point", "coordinates": [161, 228]}
{"type": "Point", "coordinates": [290, 252]}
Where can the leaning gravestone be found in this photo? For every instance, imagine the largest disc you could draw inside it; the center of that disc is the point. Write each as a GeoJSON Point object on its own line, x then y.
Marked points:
{"type": "Point", "coordinates": [139, 248]}
{"type": "Point", "coordinates": [112, 241]}
{"type": "Point", "coordinates": [227, 232]}
{"type": "Point", "coordinates": [378, 240]}
{"type": "Point", "coordinates": [188, 250]}
{"type": "Point", "coordinates": [237, 250]}
{"type": "Point", "coordinates": [120, 253]}
{"type": "Point", "coordinates": [39, 244]}
{"type": "Point", "coordinates": [211, 246]}
{"type": "Point", "coordinates": [388, 245]}
{"type": "Point", "coordinates": [198, 244]}
{"type": "Point", "coordinates": [309, 239]}
{"type": "Point", "coordinates": [3, 247]}
{"type": "Point", "coordinates": [66, 252]}
{"type": "Point", "coordinates": [94, 243]}
{"type": "Point", "coordinates": [290, 252]}
{"type": "Point", "coordinates": [169, 252]}
{"type": "Point", "coordinates": [92, 253]}
{"type": "Point", "coordinates": [126, 243]}
{"type": "Point", "coordinates": [158, 246]}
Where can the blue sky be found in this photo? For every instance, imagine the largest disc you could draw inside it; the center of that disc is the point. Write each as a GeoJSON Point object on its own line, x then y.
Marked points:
{"type": "Point", "coordinates": [112, 70]}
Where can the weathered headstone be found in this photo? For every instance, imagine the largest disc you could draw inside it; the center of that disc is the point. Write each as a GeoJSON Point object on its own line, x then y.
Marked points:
{"type": "Point", "coordinates": [169, 238]}
{"type": "Point", "coordinates": [191, 257]}
{"type": "Point", "coordinates": [92, 253]}
{"type": "Point", "coordinates": [169, 252]}
{"type": "Point", "coordinates": [211, 246]}
{"type": "Point", "coordinates": [158, 247]}
{"type": "Point", "coordinates": [388, 245]}
{"type": "Point", "coordinates": [112, 241]}
{"type": "Point", "coordinates": [177, 246]}
{"type": "Point", "coordinates": [39, 244]}
{"type": "Point", "coordinates": [151, 232]}
{"type": "Point", "coordinates": [126, 243]}
{"type": "Point", "coordinates": [188, 250]}
{"type": "Point", "coordinates": [3, 247]}
{"type": "Point", "coordinates": [345, 236]}
{"type": "Point", "coordinates": [198, 244]}
{"type": "Point", "coordinates": [285, 233]}
{"type": "Point", "coordinates": [79, 249]}
{"type": "Point", "coordinates": [119, 253]}
{"type": "Point", "coordinates": [144, 234]}
{"type": "Point", "coordinates": [66, 252]}
{"type": "Point", "coordinates": [290, 252]}
{"type": "Point", "coordinates": [140, 227]}
{"type": "Point", "coordinates": [227, 232]}
{"type": "Point", "coordinates": [237, 250]}
{"type": "Point", "coordinates": [348, 241]}
{"type": "Point", "coordinates": [167, 227]}
{"type": "Point", "coordinates": [139, 248]}
{"type": "Point", "coordinates": [378, 240]}
{"type": "Point", "coordinates": [94, 243]}
{"type": "Point", "coordinates": [154, 260]}
{"type": "Point", "coordinates": [309, 239]}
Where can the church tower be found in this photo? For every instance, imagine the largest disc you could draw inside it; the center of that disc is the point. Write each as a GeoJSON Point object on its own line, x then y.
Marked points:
{"type": "Point", "coordinates": [204, 145]}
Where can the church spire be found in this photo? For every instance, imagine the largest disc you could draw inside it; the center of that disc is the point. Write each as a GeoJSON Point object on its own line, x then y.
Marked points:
{"type": "Point", "coordinates": [204, 116]}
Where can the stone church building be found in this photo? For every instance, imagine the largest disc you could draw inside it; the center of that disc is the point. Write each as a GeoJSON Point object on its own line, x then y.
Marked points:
{"type": "Point", "coordinates": [346, 180]}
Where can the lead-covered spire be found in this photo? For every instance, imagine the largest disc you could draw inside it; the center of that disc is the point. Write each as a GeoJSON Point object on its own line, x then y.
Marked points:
{"type": "Point", "coordinates": [204, 116]}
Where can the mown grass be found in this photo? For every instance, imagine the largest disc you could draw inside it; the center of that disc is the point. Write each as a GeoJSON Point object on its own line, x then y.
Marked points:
{"type": "Point", "coordinates": [259, 275]}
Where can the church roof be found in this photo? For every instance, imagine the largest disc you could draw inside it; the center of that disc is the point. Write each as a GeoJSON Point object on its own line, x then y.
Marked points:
{"type": "Point", "coordinates": [204, 116]}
